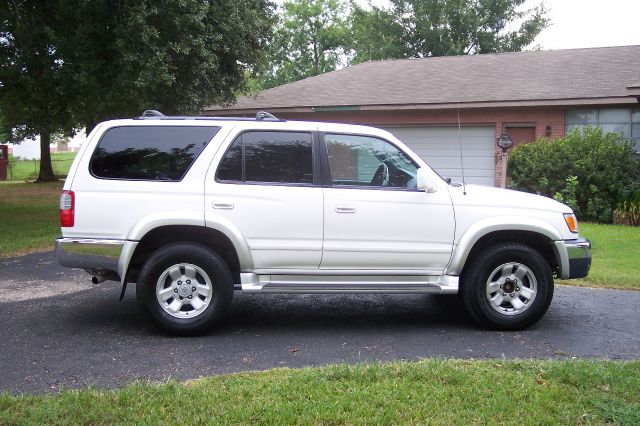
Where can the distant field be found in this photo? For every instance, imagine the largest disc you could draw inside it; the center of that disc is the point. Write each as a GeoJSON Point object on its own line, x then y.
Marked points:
{"type": "Point", "coordinates": [27, 170]}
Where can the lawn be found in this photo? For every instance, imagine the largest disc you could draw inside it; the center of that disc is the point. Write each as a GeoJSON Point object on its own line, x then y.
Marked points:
{"type": "Point", "coordinates": [616, 256]}
{"type": "Point", "coordinates": [29, 217]}
{"type": "Point", "coordinates": [426, 392]}
{"type": "Point", "coordinates": [29, 222]}
{"type": "Point", "coordinates": [27, 170]}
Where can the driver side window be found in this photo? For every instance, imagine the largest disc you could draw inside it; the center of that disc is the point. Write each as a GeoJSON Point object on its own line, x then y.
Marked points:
{"type": "Point", "coordinates": [368, 161]}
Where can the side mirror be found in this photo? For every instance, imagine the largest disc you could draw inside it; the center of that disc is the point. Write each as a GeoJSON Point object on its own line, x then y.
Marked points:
{"type": "Point", "coordinates": [424, 181]}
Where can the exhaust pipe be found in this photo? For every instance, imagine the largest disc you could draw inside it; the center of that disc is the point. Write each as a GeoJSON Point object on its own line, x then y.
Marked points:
{"type": "Point", "coordinates": [109, 276]}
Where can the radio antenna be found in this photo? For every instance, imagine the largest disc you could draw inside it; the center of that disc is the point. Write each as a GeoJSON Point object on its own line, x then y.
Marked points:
{"type": "Point", "coordinates": [464, 184]}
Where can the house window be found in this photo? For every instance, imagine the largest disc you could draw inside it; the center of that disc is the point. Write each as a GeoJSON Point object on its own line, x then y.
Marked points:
{"type": "Point", "coordinates": [625, 122]}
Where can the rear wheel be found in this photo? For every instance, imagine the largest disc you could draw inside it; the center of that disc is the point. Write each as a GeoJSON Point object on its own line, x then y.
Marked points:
{"type": "Point", "coordinates": [508, 286]}
{"type": "Point", "coordinates": [184, 288]}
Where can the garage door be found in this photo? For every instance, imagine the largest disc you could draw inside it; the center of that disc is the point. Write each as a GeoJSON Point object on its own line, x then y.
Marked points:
{"type": "Point", "coordinates": [439, 147]}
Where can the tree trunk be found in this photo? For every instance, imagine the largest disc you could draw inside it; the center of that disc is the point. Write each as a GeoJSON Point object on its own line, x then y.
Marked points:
{"type": "Point", "coordinates": [46, 169]}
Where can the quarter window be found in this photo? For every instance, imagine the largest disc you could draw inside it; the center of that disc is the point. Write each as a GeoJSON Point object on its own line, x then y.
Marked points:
{"type": "Point", "coordinates": [367, 161]}
{"type": "Point", "coordinates": [149, 152]}
{"type": "Point", "coordinates": [277, 157]}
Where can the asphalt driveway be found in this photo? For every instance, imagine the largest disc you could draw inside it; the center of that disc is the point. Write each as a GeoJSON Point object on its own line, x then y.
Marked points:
{"type": "Point", "coordinates": [58, 330]}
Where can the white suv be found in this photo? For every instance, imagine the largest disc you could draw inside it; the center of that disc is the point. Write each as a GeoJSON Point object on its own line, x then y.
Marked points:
{"type": "Point", "coordinates": [191, 208]}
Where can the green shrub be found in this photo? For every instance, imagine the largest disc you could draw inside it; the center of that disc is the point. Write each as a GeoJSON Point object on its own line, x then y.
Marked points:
{"type": "Point", "coordinates": [628, 210]}
{"type": "Point", "coordinates": [588, 170]}
{"type": "Point", "coordinates": [568, 194]}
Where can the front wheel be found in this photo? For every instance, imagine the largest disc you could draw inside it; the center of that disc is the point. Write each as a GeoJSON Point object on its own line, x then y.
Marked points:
{"type": "Point", "coordinates": [184, 288]}
{"type": "Point", "coordinates": [509, 286]}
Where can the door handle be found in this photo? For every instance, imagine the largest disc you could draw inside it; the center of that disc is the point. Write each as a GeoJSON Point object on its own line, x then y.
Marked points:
{"type": "Point", "coordinates": [343, 208]}
{"type": "Point", "coordinates": [219, 204]}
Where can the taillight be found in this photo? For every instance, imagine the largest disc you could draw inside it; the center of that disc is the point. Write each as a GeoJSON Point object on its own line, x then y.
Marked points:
{"type": "Point", "coordinates": [67, 207]}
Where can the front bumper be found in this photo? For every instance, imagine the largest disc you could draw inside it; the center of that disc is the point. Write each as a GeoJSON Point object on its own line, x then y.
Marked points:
{"type": "Point", "coordinates": [96, 256]}
{"type": "Point", "coordinates": [574, 258]}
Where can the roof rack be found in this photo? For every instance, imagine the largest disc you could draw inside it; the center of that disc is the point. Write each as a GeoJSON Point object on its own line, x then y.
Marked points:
{"type": "Point", "coordinates": [152, 114]}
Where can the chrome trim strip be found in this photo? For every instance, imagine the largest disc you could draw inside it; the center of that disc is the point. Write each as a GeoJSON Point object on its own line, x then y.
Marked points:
{"type": "Point", "coordinates": [87, 253]}
{"type": "Point", "coordinates": [254, 283]}
{"type": "Point", "coordinates": [347, 272]}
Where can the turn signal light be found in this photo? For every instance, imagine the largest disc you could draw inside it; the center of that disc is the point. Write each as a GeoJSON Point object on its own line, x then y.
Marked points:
{"type": "Point", "coordinates": [67, 209]}
{"type": "Point", "coordinates": [572, 222]}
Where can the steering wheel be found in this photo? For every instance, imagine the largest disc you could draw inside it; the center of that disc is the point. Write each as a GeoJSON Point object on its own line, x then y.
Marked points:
{"type": "Point", "coordinates": [380, 176]}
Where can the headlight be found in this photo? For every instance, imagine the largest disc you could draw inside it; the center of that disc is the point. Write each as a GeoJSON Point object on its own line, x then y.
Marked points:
{"type": "Point", "coordinates": [572, 222]}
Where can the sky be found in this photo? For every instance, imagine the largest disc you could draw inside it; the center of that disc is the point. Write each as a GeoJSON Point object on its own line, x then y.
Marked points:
{"type": "Point", "coordinates": [591, 23]}
{"type": "Point", "coordinates": [584, 23]}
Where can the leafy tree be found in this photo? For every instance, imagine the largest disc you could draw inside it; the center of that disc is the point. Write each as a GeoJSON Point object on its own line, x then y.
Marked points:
{"type": "Point", "coordinates": [317, 36]}
{"type": "Point", "coordinates": [32, 96]}
{"type": "Point", "coordinates": [70, 63]}
{"type": "Point", "coordinates": [5, 131]}
{"type": "Point", "coordinates": [423, 28]}
{"type": "Point", "coordinates": [309, 40]}
{"type": "Point", "coordinates": [374, 34]}
{"type": "Point", "coordinates": [174, 56]}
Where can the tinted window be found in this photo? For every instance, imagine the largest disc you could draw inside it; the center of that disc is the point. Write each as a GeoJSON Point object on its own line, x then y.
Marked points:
{"type": "Point", "coordinates": [367, 161]}
{"type": "Point", "coordinates": [231, 166]}
{"type": "Point", "coordinates": [281, 157]}
{"type": "Point", "coordinates": [149, 152]}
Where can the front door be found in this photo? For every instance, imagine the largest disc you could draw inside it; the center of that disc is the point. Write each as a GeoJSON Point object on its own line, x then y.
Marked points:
{"type": "Point", "coordinates": [374, 217]}
{"type": "Point", "coordinates": [521, 134]}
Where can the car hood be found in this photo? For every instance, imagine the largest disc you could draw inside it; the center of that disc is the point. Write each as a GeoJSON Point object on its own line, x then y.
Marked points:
{"type": "Point", "coordinates": [486, 196]}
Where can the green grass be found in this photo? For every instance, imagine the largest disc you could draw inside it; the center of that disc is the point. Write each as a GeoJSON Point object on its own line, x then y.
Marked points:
{"type": "Point", "coordinates": [616, 256]}
{"type": "Point", "coordinates": [441, 392]}
{"type": "Point", "coordinates": [29, 217]}
{"type": "Point", "coordinates": [27, 170]}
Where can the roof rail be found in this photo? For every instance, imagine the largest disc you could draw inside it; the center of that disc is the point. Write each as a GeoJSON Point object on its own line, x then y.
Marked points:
{"type": "Point", "coordinates": [264, 115]}
{"type": "Point", "coordinates": [152, 114]}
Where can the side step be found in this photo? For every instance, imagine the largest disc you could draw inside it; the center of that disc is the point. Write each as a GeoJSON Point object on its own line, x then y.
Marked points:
{"type": "Point", "coordinates": [409, 284]}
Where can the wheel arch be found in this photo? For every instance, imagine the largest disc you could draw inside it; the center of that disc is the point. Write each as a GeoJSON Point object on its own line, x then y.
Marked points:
{"type": "Point", "coordinates": [160, 236]}
{"type": "Point", "coordinates": [536, 234]}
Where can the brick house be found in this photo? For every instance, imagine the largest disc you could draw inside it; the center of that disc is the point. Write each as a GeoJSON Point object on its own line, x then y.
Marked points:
{"type": "Point", "coordinates": [528, 95]}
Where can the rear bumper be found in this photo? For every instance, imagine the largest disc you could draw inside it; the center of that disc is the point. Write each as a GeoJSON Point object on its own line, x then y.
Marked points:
{"type": "Point", "coordinates": [574, 258]}
{"type": "Point", "coordinates": [96, 256]}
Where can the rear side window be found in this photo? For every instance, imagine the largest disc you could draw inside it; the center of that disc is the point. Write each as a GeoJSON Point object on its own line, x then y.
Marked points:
{"type": "Point", "coordinates": [278, 157]}
{"type": "Point", "coordinates": [149, 152]}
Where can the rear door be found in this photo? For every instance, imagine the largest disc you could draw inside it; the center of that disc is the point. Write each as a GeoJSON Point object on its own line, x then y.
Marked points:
{"type": "Point", "coordinates": [266, 187]}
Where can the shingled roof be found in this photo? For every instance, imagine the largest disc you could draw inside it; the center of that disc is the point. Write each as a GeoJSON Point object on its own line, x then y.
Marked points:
{"type": "Point", "coordinates": [608, 75]}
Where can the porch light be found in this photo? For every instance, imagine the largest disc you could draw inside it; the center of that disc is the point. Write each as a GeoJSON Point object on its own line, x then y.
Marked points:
{"type": "Point", "coordinates": [504, 141]}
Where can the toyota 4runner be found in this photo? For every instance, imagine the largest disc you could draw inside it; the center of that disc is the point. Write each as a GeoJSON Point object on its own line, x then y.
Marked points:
{"type": "Point", "coordinates": [192, 208]}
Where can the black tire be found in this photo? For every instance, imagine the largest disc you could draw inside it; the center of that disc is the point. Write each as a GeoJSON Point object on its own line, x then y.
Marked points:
{"type": "Point", "coordinates": [487, 265]}
{"type": "Point", "coordinates": [179, 255]}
